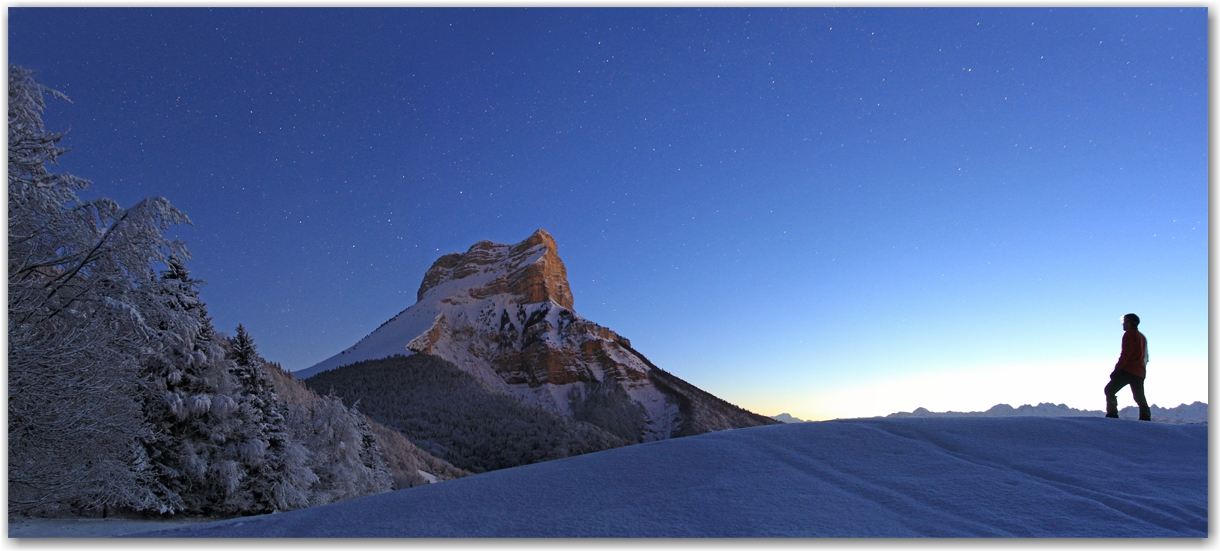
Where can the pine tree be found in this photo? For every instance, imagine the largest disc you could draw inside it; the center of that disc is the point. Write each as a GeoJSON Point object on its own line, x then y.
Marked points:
{"type": "Point", "coordinates": [188, 298]}
{"type": "Point", "coordinates": [243, 351]}
{"type": "Point", "coordinates": [379, 477]}
{"type": "Point", "coordinates": [191, 399]}
{"type": "Point", "coordinates": [277, 467]}
{"type": "Point", "coordinates": [221, 444]}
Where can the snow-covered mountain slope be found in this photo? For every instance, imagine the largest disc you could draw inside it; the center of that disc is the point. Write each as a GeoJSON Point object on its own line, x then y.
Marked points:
{"type": "Point", "coordinates": [937, 477]}
{"type": "Point", "coordinates": [1184, 413]}
{"type": "Point", "coordinates": [503, 313]}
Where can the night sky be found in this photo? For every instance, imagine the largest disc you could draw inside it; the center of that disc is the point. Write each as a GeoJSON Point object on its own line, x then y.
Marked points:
{"type": "Point", "coordinates": [814, 211]}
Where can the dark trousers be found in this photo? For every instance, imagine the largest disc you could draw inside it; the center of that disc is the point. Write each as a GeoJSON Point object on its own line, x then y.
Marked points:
{"type": "Point", "coordinates": [1119, 379]}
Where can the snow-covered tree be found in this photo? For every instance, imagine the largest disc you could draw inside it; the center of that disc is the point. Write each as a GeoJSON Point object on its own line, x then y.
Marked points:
{"type": "Point", "coordinates": [184, 297]}
{"type": "Point", "coordinates": [276, 465]}
{"type": "Point", "coordinates": [346, 457]}
{"type": "Point", "coordinates": [76, 334]}
{"type": "Point", "coordinates": [242, 349]}
{"type": "Point", "coordinates": [191, 400]}
{"type": "Point", "coordinates": [379, 446]}
{"type": "Point", "coordinates": [121, 393]}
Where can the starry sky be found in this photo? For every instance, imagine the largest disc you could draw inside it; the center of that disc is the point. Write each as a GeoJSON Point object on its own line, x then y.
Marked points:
{"type": "Point", "coordinates": [829, 213]}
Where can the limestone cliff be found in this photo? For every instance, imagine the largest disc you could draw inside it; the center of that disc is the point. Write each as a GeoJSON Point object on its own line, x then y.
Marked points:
{"type": "Point", "coordinates": [523, 274]}
{"type": "Point", "coordinates": [504, 313]}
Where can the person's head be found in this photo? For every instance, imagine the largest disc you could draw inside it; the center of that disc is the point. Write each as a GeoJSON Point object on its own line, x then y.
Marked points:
{"type": "Point", "coordinates": [1131, 321]}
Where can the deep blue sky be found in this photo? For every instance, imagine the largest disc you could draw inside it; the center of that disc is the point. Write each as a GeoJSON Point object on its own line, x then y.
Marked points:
{"type": "Point", "coordinates": [824, 212]}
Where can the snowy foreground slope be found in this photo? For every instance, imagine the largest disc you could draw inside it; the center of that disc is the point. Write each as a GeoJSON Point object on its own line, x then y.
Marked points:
{"type": "Point", "coordinates": [938, 477]}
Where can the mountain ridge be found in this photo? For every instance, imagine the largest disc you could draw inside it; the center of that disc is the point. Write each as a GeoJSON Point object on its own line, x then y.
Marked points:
{"type": "Point", "coordinates": [503, 313]}
{"type": "Point", "coordinates": [1185, 413]}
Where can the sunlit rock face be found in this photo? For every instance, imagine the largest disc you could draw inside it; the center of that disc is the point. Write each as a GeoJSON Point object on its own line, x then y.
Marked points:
{"type": "Point", "coordinates": [503, 313]}
{"type": "Point", "coordinates": [531, 270]}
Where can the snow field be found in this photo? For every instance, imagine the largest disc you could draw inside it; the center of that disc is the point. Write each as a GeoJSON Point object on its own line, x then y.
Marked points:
{"type": "Point", "coordinates": [932, 477]}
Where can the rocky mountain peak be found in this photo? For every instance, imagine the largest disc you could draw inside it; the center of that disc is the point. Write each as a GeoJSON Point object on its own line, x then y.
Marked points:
{"type": "Point", "coordinates": [530, 270]}
{"type": "Point", "coordinates": [503, 313]}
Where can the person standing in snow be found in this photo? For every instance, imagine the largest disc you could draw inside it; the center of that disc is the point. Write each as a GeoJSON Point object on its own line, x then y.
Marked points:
{"type": "Point", "coordinates": [1130, 369]}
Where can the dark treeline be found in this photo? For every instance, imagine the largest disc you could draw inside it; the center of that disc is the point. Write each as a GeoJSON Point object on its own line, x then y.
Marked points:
{"type": "Point", "coordinates": [453, 415]}
{"type": "Point", "coordinates": [327, 415]}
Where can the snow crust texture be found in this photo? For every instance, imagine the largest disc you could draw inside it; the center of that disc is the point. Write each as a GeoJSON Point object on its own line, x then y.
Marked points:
{"type": "Point", "coordinates": [930, 477]}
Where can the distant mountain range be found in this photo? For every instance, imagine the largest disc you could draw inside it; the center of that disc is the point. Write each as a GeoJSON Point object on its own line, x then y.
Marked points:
{"type": "Point", "coordinates": [1185, 413]}
{"type": "Point", "coordinates": [497, 323]}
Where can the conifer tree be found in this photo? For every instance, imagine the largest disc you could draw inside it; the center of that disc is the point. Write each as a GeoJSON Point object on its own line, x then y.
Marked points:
{"type": "Point", "coordinates": [243, 351]}
{"type": "Point", "coordinates": [192, 400]}
{"type": "Point", "coordinates": [379, 478]}
{"type": "Point", "coordinates": [189, 302]}
{"type": "Point", "coordinates": [277, 467]}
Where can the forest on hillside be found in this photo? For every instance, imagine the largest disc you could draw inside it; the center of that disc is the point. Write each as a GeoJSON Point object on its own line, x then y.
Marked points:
{"type": "Point", "coordinates": [453, 415]}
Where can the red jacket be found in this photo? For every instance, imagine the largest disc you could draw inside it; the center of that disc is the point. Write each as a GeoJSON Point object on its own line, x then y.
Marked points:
{"type": "Point", "coordinates": [1135, 353]}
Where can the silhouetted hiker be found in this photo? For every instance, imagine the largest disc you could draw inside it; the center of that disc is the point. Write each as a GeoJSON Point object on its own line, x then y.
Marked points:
{"type": "Point", "coordinates": [1130, 369]}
